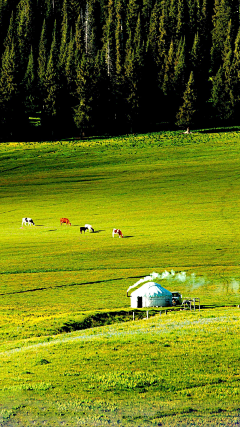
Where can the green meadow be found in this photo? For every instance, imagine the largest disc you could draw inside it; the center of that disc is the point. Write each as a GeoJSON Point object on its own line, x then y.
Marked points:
{"type": "Point", "coordinates": [71, 354]}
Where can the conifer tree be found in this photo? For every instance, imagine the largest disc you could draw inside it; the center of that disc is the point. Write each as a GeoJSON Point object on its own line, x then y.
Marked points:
{"type": "Point", "coordinates": [104, 109]}
{"type": "Point", "coordinates": [51, 85]}
{"type": "Point", "coordinates": [147, 6]}
{"type": "Point", "coordinates": [180, 68]}
{"type": "Point", "coordinates": [222, 94]}
{"type": "Point", "coordinates": [181, 19]}
{"type": "Point", "coordinates": [79, 39]}
{"type": "Point", "coordinates": [138, 43]}
{"type": "Point", "coordinates": [64, 35]}
{"type": "Point", "coordinates": [119, 67]}
{"type": "Point", "coordinates": [42, 59]}
{"type": "Point", "coordinates": [164, 47]}
{"type": "Point", "coordinates": [133, 75]}
{"type": "Point", "coordinates": [88, 30]}
{"type": "Point", "coordinates": [10, 32]}
{"type": "Point", "coordinates": [10, 109]}
{"type": "Point", "coordinates": [221, 18]}
{"type": "Point", "coordinates": [66, 87]}
{"type": "Point", "coordinates": [84, 95]}
{"type": "Point", "coordinates": [195, 56]}
{"type": "Point", "coordinates": [187, 112]}
{"type": "Point", "coordinates": [173, 16]}
{"type": "Point", "coordinates": [24, 31]}
{"type": "Point", "coordinates": [168, 79]}
{"type": "Point", "coordinates": [119, 39]}
{"type": "Point", "coordinates": [109, 39]}
{"type": "Point", "coordinates": [30, 86]}
{"type": "Point", "coordinates": [153, 33]}
{"type": "Point", "coordinates": [218, 94]}
{"type": "Point", "coordinates": [132, 15]}
{"type": "Point", "coordinates": [235, 73]}
{"type": "Point", "coordinates": [70, 65]}
{"type": "Point", "coordinates": [131, 95]}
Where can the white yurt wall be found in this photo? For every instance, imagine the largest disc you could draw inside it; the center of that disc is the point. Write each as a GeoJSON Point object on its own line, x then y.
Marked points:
{"type": "Point", "coordinates": [151, 294]}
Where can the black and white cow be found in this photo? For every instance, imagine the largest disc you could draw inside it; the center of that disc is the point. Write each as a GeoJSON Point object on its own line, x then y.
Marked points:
{"type": "Point", "coordinates": [89, 228]}
{"type": "Point", "coordinates": [27, 221]}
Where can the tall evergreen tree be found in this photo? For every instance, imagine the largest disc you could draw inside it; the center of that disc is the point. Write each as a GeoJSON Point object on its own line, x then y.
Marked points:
{"type": "Point", "coordinates": [10, 107]}
{"type": "Point", "coordinates": [133, 75]}
{"type": "Point", "coordinates": [222, 94]}
{"type": "Point", "coordinates": [84, 95]}
{"type": "Point", "coordinates": [131, 95]}
{"type": "Point", "coordinates": [132, 15]}
{"type": "Point", "coordinates": [51, 86]}
{"type": "Point", "coordinates": [163, 45]}
{"type": "Point", "coordinates": [235, 73]}
{"type": "Point", "coordinates": [119, 48]}
{"type": "Point", "coordinates": [168, 80]}
{"type": "Point", "coordinates": [24, 31]}
{"type": "Point", "coordinates": [109, 39]}
{"type": "Point", "coordinates": [173, 18]}
{"type": "Point", "coordinates": [42, 59]}
{"type": "Point", "coordinates": [221, 18]}
{"type": "Point", "coordinates": [186, 115]}
{"type": "Point", "coordinates": [195, 55]}
{"type": "Point", "coordinates": [64, 35]}
{"type": "Point", "coordinates": [30, 87]}
{"type": "Point", "coordinates": [181, 19]}
{"type": "Point", "coordinates": [153, 32]}
{"type": "Point", "coordinates": [79, 39]}
{"type": "Point", "coordinates": [180, 68]}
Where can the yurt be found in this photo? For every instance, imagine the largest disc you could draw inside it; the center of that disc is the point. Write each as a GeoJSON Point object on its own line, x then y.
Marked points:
{"type": "Point", "coordinates": [151, 294]}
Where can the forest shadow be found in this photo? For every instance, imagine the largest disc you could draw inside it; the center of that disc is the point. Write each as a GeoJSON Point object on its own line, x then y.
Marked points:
{"type": "Point", "coordinates": [220, 130]}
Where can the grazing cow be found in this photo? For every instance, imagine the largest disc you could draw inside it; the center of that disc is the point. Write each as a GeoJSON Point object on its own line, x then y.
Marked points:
{"type": "Point", "coordinates": [65, 221]}
{"type": "Point", "coordinates": [117, 231]}
{"type": "Point", "coordinates": [27, 221]}
{"type": "Point", "coordinates": [83, 229]}
{"type": "Point", "coordinates": [89, 227]}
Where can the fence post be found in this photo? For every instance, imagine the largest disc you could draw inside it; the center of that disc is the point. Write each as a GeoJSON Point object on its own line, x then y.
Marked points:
{"type": "Point", "coordinates": [133, 316]}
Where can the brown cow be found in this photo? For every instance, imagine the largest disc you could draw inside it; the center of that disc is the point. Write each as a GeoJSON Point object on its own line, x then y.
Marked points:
{"type": "Point", "coordinates": [65, 221]}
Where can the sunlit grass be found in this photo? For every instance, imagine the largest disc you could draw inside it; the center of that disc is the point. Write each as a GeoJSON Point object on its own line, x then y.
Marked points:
{"type": "Point", "coordinates": [187, 356]}
{"type": "Point", "coordinates": [175, 197]}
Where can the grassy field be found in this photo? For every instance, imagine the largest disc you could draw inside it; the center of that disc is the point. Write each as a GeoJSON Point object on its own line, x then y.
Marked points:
{"type": "Point", "coordinates": [175, 198]}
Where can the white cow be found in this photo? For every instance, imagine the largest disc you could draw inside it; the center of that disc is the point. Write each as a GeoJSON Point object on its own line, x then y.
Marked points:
{"type": "Point", "coordinates": [28, 221]}
{"type": "Point", "coordinates": [89, 227]}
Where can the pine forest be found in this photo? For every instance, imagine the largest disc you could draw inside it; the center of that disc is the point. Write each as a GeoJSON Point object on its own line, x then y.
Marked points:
{"type": "Point", "coordinates": [118, 66]}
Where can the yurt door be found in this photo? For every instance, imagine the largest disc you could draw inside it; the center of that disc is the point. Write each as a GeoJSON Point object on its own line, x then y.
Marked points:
{"type": "Point", "coordinates": [139, 302]}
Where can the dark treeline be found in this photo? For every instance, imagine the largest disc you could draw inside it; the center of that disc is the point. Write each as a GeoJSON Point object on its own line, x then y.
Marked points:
{"type": "Point", "coordinates": [110, 66]}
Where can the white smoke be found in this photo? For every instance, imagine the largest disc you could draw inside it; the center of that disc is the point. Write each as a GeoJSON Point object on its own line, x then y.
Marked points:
{"type": "Point", "coordinates": [235, 285]}
{"type": "Point", "coordinates": [172, 276]}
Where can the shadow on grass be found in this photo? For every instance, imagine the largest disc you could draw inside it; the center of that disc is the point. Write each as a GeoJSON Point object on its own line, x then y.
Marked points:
{"type": "Point", "coordinates": [220, 130]}
{"type": "Point", "coordinates": [127, 237]}
{"type": "Point", "coordinates": [68, 285]}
